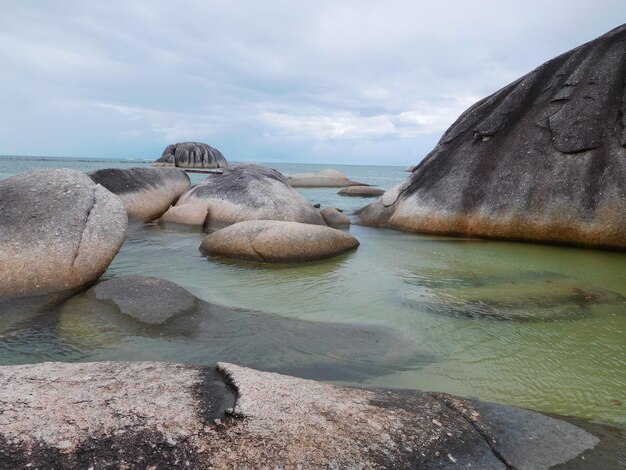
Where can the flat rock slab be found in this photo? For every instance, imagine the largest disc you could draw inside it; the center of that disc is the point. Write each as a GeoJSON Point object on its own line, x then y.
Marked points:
{"type": "Point", "coordinates": [58, 232]}
{"type": "Point", "coordinates": [361, 191]}
{"type": "Point", "coordinates": [278, 242]}
{"type": "Point", "coordinates": [324, 179]}
{"type": "Point", "coordinates": [145, 192]}
{"type": "Point", "coordinates": [174, 416]}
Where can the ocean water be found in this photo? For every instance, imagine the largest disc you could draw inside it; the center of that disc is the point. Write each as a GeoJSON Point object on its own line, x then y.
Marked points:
{"type": "Point", "coordinates": [542, 327]}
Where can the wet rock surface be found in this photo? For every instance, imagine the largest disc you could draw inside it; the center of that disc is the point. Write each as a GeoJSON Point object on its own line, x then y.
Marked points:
{"type": "Point", "coordinates": [324, 179]}
{"type": "Point", "coordinates": [361, 191]}
{"type": "Point", "coordinates": [335, 218]}
{"type": "Point", "coordinates": [192, 155]}
{"type": "Point", "coordinates": [542, 159]}
{"type": "Point", "coordinates": [278, 242]}
{"type": "Point", "coordinates": [58, 233]}
{"type": "Point", "coordinates": [245, 192]}
{"type": "Point", "coordinates": [141, 414]}
{"type": "Point", "coordinates": [145, 192]}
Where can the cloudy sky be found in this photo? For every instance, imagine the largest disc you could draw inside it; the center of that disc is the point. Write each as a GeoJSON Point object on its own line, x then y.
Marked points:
{"type": "Point", "coordinates": [318, 81]}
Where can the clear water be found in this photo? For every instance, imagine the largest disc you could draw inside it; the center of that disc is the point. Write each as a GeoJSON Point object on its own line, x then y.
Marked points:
{"type": "Point", "coordinates": [541, 327]}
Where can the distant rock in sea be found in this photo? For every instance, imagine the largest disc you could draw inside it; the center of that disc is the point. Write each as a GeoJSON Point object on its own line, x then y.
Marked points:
{"type": "Point", "coordinates": [361, 191]}
{"type": "Point", "coordinates": [192, 155]}
{"type": "Point", "coordinates": [324, 179]}
{"type": "Point", "coordinates": [244, 192]}
{"type": "Point", "coordinates": [58, 233]}
{"type": "Point", "coordinates": [145, 192]}
{"type": "Point", "coordinates": [543, 159]}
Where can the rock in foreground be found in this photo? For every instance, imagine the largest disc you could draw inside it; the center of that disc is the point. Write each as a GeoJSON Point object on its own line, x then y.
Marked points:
{"type": "Point", "coordinates": [334, 218]}
{"type": "Point", "coordinates": [361, 191]}
{"type": "Point", "coordinates": [278, 242]}
{"type": "Point", "coordinates": [324, 179]}
{"type": "Point", "coordinates": [147, 414]}
{"type": "Point", "coordinates": [58, 233]}
{"type": "Point", "coordinates": [145, 192]}
{"type": "Point", "coordinates": [192, 155]}
{"type": "Point", "coordinates": [543, 159]}
{"type": "Point", "coordinates": [245, 192]}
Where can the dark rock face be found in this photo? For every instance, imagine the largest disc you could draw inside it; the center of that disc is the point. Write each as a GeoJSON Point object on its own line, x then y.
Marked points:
{"type": "Point", "coordinates": [192, 155]}
{"type": "Point", "coordinates": [116, 414]}
{"type": "Point", "coordinates": [58, 233]}
{"type": "Point", "coordinates": [244, 192]}
{"type": "Point", "coordinates": [543, 159]}
{"type": "Point", "coordinates": [145, 192]}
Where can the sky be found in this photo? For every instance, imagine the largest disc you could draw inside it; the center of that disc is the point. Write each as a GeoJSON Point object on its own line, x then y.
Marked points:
{"type": "Point", "coordinates": [344, 82]}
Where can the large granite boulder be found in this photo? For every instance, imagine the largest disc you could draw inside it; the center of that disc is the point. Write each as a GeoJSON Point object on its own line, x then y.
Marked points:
{"type": "Point", "coordinates": [244, 192]}
{"type": "Point", "coordinates": [160, 415]}
{"type": "Point", "coordinates": [278, 242]}
{"type": "Point", "coordinates": [58, 233]}
{"type": "Point", "coordinates": [192, 155]}
{"type": "Point", "coordinates": [145, 192]}
{"type": "Point", "coordinates": [543, 159]}
{"type": "Point", "coordinates": [328, 178]}
{"type": "Point", "coordinates": [335, 218]}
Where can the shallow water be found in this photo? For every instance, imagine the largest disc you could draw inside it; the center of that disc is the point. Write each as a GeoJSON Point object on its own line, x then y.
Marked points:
{"type": "Point", "coordinates": [536, 326]}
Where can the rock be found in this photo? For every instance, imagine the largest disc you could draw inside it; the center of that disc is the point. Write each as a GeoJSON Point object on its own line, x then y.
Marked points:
{"type": "Point", "coordinates": [58, 233]}
{"type": "Point", "coordinates": [245, 192]}
{"type": "Point", "coordinates": [145, 299]}
{"type": "Point", "coordinates": [410, 168]}
{"type": "Point", "coordinates": [192, 155]}
{"type": "Point", "coordinates": [324, 179]}
{"type": "Point", "coordinates": [361, 191]}
{"type": "Point", "coordinates": [317, 205]}
{"type": "Point", "coordinates": [164, 415]}
{"type": "Point", "coordinates": [543, 159]}
{"type": "Point", "coordinates": [154, 319]}
{"type": "Point", "coordinates": [277, 242]}
{"type": "Point", "coordinates": [335, 218]}
{"type": "Point", "coordinates": [145, 192]}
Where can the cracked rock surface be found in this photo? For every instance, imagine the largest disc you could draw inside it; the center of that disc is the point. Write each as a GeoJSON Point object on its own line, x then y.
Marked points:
{"type": "Point", "coordinates": [192, 155]}
{"type": "Point", "coordinates": [58, 233]}
{"type": "Point", "coordinates": [143, 414]}
{"type": "Point", "coordinates": [542, 159]}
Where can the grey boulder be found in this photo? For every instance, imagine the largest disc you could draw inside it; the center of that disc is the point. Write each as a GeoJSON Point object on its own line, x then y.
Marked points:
{"type": "Point", "coordinates": [543, 159]}
{"type": "Point", "coordinates": [58, 233]}
{"type": "Point", "coordinates": [244, 192]}
{"type": "Point", "coordinates": [278, 242]}
{"type": "Point", "coordinates": [361, 191]}
{"type": "Point", "coordinates": [145, 192]}
{"type": "Point", "coordinates": [335, 218]}
{"type": "Point", "coordinates": [192, 155]}
{"type": "Point", "coordinates": [324, 179]}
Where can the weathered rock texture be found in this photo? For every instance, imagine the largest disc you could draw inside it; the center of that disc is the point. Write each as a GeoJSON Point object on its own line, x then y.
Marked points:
{"type": "Point", "coordinates": [58, 233]}
{"type": "Point", "coordinates": [138, 415]}
{"type": "Point", "coordinates": [145, 192]}
{"type": "Point", "coordinates": [543, 159]}
{"type": "Point", "coordinates": [245, 192]}
{"type": "Point", "coordinates": [334, 218]}
{"type": "Point", "coordinates": [278, 241]}
{"type": "Point", "coordinates": [361, 191]}
{"type": "Point", "coordinates": [324, 179]}
{"type": "Point", "coordinates": [192, 155]}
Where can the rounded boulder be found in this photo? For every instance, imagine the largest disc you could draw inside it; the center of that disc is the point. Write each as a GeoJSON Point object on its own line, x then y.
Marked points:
{"type": "Point", "coordinates": [335, 218]}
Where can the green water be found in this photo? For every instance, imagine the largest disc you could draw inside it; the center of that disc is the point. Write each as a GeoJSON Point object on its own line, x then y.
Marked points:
{"type": "Point", "coordinates": [541, 327]}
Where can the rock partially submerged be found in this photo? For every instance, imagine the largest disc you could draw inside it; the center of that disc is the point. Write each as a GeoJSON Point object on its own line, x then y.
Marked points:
{"type": "Point", "coordinates": [147, 414]}
{"type": "Point", "coordinates": [335, 218]}
{"type": "Point", "coordinates": [192, 155]}
{"type": "Point", "coordinates": [543, 159]}
{"type": "Point", "coordinates": [361, 191]}
{"type": "Point", "coordinates": [245, 192]}
{"type": "Point", "coordinates": [145, 192]}
{"type": "Point", "coordinates": [278, 242]}
{"type": "Point", "coordinates": [324, 179]}
{"type": "Point", "coordinates": [58, 233]}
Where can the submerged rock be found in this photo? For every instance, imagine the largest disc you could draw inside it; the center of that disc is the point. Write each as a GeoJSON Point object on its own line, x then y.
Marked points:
{"type": "Point", "coordinates": [324, 179]}
{"type": "Point", "coordinates": [58, 233]}
{"type": "Point", "coordinates": [245, 192]}
{"type": "Point", "coordinates": [542, 159]}
{"type": "Point", "coordinates": [278, 242]}
{"type": "Point", "coordinates": [167, 415]}
{"type": "Point", "coordinates": [335, 218]}
{"type": "Point", "coordinates": [361, 191]}
{"type": "Point", "coordinates": [145, 192]}
{"type": "Point", "coordinates": [192, 155]}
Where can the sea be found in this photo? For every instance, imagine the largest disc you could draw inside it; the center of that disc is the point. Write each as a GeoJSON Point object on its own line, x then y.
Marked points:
{"type": "Point", "coordinates": [537, 326]}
